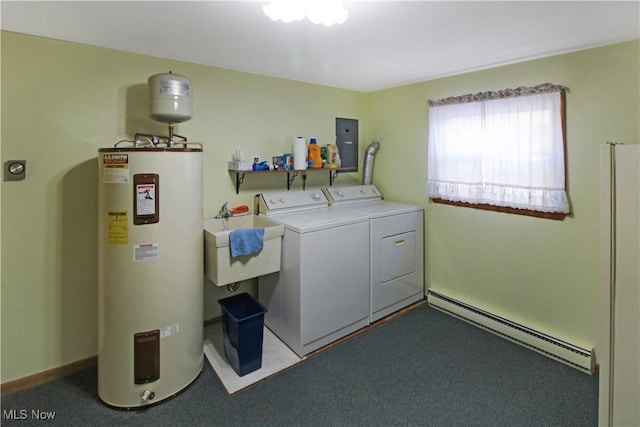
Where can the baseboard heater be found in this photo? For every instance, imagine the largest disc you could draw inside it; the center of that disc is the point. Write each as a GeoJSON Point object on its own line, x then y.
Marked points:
{"type": "Point", "coordinates": [572, 355]}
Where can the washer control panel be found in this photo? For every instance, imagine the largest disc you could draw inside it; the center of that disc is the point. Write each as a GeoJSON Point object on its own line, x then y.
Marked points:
{"type": "Point", "coordinates": [353, 193]}
{"type": "Point", "coordinates": [290, 201]}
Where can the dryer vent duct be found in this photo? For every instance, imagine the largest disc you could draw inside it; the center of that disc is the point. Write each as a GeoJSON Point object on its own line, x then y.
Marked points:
{"type": "Point", "coordinates": [369, 157]}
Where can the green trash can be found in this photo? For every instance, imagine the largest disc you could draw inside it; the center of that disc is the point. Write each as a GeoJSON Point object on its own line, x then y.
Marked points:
{"type": "Point", "coordinates": [242, 326]}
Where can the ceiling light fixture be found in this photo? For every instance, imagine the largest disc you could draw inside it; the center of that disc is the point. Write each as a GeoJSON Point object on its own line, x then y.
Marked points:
{"type": "Point", "coordinates": [327, 12]}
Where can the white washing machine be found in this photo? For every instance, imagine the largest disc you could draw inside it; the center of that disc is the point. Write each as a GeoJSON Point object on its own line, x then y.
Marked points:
{"type": "Point", "coordinates": [396, 246]}
{"type": "Point", "coordinates": [321, 293]}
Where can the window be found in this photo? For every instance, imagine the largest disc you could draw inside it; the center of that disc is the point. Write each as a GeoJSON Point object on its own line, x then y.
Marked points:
{"type": "Point", "coordinates": [500, 150]}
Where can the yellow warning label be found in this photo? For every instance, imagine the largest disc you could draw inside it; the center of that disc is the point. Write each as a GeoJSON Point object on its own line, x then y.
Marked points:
{"type": "Point", "coordinates": [118, 227]}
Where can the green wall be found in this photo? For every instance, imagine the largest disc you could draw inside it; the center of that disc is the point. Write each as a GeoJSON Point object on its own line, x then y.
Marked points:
{"type": "Point", "coordinates": [539, 272]}
{"type": "Point", "coordinates": [61, 102]}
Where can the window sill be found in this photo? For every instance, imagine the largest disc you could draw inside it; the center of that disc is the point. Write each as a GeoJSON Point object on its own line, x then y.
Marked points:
{"type": "Point", "coordinates": [559, 216]}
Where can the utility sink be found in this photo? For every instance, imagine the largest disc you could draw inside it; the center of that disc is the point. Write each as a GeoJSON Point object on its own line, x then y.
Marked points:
{"type": "Point", "coordinates": [221, 268]}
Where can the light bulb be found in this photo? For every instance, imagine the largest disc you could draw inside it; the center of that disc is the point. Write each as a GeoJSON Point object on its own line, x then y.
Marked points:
{"type": "Point", "coordinates": [285, 10]}
{"type": "Point", "coordinates": [327, 12]}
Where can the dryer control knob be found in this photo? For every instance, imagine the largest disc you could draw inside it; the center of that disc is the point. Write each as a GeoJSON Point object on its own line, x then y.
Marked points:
{"type": "Point", "coordinates": [282, 200]}
{"type": "Point", "coordinates": [340, 193]}
{"type": "Point", "coordinates": [316, 196]}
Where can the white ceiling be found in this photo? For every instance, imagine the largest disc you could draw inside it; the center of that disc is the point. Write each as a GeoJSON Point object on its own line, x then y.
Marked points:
{"type": "Point", "coordinates": [383, 44]}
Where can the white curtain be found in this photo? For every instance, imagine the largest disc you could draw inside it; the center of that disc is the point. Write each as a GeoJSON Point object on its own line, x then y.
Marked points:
{"type": "Point", "coordinates": [505, 151]}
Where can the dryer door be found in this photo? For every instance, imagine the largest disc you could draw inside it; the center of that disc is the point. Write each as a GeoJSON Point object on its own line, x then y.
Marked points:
{"type": "Point", "coordinates": [397, 262]}
{"type": "Point", "coordinates": [398, 256]}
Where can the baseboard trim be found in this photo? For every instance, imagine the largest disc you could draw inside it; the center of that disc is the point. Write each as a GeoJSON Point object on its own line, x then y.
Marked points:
{"type": "Point", "coordinates": [573, 355]}
{"type": "Point", "coordinates": [46, 376]}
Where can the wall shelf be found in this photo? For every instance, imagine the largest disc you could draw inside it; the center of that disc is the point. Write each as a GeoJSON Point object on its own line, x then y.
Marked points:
{"type": "Point", "coordinates": [291, 175]}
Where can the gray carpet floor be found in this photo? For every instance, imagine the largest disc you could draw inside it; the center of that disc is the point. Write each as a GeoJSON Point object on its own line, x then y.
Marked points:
{"type": "Point", "coordinates": [424, 368]}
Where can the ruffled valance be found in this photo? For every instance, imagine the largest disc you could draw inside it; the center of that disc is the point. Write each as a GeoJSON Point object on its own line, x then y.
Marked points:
{"type": "Point", "coordinates": [535, 199]}
{"type": "Point", "coordinates": [505, 93]}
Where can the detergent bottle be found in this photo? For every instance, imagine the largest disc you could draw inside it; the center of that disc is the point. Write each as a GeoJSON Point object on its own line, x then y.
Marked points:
{"type": "Point", "coordinates": [315, 156]}
{"type": "Point", "coordinates": [333, 156]}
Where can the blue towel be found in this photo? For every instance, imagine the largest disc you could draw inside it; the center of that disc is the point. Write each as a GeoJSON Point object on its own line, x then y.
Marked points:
{"type": "Point", "coordinates": [246, 241]}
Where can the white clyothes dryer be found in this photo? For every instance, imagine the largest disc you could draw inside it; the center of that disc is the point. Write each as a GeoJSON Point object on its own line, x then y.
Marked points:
{"type": "Point", "coordinates": [396, 246]}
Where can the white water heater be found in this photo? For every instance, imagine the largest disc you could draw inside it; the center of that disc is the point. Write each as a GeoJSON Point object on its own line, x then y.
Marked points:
{"type": "Point", "coordinates": [150, 273]}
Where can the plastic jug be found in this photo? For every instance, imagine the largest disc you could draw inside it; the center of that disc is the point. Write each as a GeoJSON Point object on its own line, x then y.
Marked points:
{"type": "Point", "coordinates": [315, 156]}
{"type": "Point", "coordinates": [333, 156]}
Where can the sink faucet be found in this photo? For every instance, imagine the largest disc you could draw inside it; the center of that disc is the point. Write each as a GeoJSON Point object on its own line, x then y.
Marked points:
{"type": "Point", "coordinates": [224, 211]}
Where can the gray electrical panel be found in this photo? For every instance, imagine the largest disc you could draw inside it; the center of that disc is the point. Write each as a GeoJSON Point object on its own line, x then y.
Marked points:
{"type": "Point", "coordinates": [347, 142]}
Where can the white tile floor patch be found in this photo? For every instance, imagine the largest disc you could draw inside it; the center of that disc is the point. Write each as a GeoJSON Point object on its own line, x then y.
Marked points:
{"type": "Point", "coordinates": [276, 356]}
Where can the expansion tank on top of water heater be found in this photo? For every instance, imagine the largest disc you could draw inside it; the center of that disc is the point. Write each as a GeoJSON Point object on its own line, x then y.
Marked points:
{"type": "Point", "coordinates": [150, 273]}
